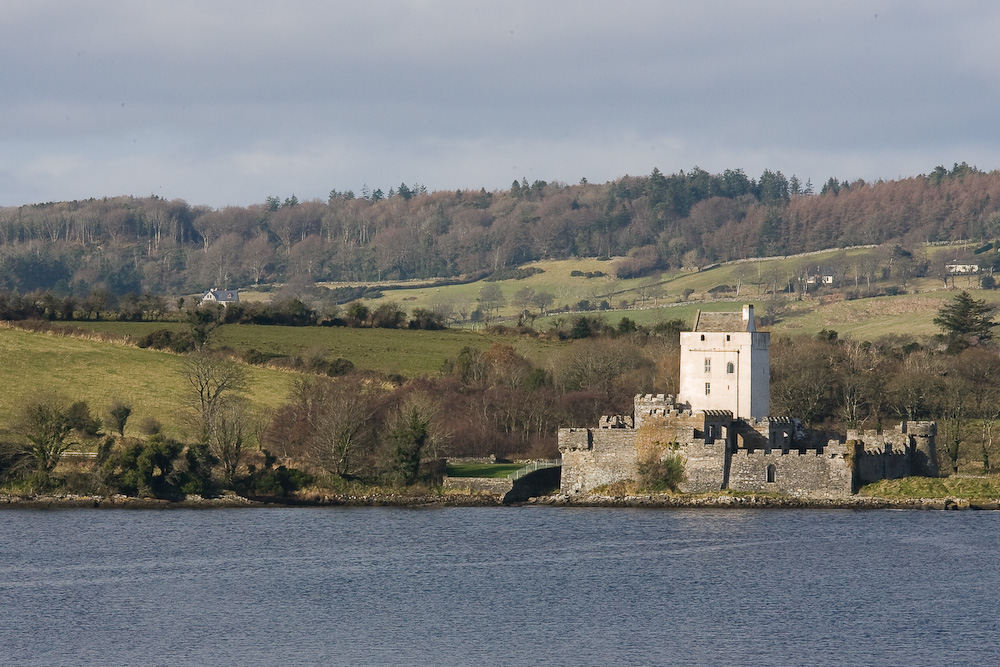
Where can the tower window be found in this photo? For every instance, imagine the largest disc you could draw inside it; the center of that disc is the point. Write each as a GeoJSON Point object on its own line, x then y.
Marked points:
{"type": "Point", "coordinates": [708, 364]}
{"type": "Point", "coordinates": [727, 337]}
{"type": "Point", "coordinates": [730, 368]}
{"type": "Point", "coordinates": [703, 336]}
{"type": "Point", "coordinates": [708, 388]}
{"type": "Point", "coordinates": [771, 473]}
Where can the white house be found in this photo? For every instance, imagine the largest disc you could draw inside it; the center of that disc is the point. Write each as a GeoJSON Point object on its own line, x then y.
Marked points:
{"type": "Point", "coordinates": [725, 365]}
{"type": "Point", "coordinates": [960, 267]}
{"type": "Point", "coordinates": [223, 296]}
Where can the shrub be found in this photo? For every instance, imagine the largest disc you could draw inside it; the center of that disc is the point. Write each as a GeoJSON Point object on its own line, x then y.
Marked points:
{"type": "Point", "coordinates": [513, 274]}
{"type": "Point", "coordinates": [79, 417]}
{"type": "Point", "coordinates": [256, 357]}
{"type": "Point", "coordinates": [280, 481]}
{"type": "Point", "coordinates": [585, 327]}
{"type": "Point", "coordinates": [639, 262]}
{"type": "Point", "coordinates": [661, 474]}
{"type": "Point", "coordinates": [165, 339]}
{"type": "Point", "coordinates": [150, 426]}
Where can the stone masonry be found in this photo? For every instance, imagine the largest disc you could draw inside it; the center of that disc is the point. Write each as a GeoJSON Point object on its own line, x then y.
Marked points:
{"type": "Point", "coordinates": [724, 441]}
{"type": "Point", "coordinates": [721, 452]}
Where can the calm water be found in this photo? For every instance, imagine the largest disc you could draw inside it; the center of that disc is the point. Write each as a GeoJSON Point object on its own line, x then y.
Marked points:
{"type": "Point", "coordinates": [498, 586]}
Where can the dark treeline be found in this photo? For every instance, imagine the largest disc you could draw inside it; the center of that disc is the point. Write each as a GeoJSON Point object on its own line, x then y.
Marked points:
{"type": "Point", "coordinates": [152, 245]}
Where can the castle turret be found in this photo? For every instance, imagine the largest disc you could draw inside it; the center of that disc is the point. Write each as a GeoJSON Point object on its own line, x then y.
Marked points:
{"type": "Point", "coordinates": [924, 460]}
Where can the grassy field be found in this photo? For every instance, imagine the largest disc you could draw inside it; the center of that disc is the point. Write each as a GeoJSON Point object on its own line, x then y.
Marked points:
{"type": "Point", "coordinates": [487, 470]}
{"type": "Point", "coordinates": [38, 365]}
{"type": "Point", "coordinates": [403, 351]}
{"type": "Point", "coordinates": [943, 487]}
{"type": "Point", "coordinates": [409, 353]}
{"type": "Point", "coordinates": [911, 313]}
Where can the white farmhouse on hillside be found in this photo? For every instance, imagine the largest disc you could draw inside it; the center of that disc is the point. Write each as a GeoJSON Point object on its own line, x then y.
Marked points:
{"type": "Point", "coordinates": [961, 267]}
{"type": "Point", "coordinates": [223, 296]}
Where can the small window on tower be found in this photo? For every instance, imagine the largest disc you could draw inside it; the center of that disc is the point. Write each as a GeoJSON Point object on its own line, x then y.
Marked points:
{"type": "Point", "coordinates": [708, 388]}
{"type": "Point", "coordinates": [703, 336]}
{"type": "Point", "coordinates": [729, 368]}
{"type": "Point", "coordinates": [771, 473]}
{"type": "Point", "coordinates": [727, 337]}
{"type": "Point", "coordinates": [708, 364]}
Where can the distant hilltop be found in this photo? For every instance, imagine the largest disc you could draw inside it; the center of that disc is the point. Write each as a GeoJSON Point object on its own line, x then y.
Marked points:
{"type": "Point", "coordinates": [686, 220]}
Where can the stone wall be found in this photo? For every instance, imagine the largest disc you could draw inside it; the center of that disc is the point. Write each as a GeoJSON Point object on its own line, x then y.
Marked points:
{"type": "Point", "coordinates": [755, 455]}
{"type": "Point", "coordinates": [704, 466]}
{"type": "Point", "coordinates": [595, 457]}
{"type": "Point", "coordinates": [794, 473]}
{"type": "Point", "coordinates": [700, 440]}
{"type": "Point", "coordinates": [533, 485]}
{"type": "Point", "coordinates": [500, 487]}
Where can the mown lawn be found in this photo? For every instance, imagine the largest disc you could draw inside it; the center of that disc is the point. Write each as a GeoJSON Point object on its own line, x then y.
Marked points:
{"type": "Point", "coordinates": [487, 470]}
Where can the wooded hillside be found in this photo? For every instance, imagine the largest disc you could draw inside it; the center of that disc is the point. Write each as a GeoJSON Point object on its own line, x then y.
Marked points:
{"type": "Point", "coordinates": [129, 244]}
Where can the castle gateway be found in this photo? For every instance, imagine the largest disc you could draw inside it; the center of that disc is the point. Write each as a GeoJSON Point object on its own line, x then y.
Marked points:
{"type": "Point", "coordinates": [720, 426]}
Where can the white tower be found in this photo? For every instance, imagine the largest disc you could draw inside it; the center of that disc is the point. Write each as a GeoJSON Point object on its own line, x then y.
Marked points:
{"type": "Point", "coordinates": [725, 365]}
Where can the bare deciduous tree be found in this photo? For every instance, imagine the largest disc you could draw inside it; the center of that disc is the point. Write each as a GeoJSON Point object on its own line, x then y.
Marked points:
{"type": "Point", "coordinates": [211, 378]}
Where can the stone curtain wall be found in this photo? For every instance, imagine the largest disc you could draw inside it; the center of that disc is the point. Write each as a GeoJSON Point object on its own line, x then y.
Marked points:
{"type": "Point", "coordinates": [500, 487]}
{"type": "Point", "coordinates": [804, 462]}
{"type": "Point", "coordinates": [595, 457]}
{"type": "Point", "coordinates": [795, 473]}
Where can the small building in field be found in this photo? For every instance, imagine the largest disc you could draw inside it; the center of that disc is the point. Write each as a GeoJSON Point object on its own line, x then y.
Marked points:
{"type": "Point", "coordinates": [220, 296]}
{"type": "Point", "coordinates": [959, 267]}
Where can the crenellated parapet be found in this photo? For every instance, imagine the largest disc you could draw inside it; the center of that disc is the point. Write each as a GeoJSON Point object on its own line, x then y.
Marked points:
{"type": "Point", "coordinates": [616, 421]}
{"type": "Point", "coordinates": [653, 405]}
{"type": "Point", "coordinates": [575, 439]}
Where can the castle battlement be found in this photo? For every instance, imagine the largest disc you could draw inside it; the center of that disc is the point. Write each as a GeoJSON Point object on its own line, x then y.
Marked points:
{"type": "Point", "coordinates": [762, 453]}
{"type": "Point", "coordinates": [719, 426]}
{"type": "Point", "coordinates": [616, 421]}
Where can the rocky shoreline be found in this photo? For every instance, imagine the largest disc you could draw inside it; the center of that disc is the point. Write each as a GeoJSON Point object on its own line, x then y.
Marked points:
{"type": "Point", "coordinates": [767, 502]}
{"type": "Point", "coordinates": [230, 501]}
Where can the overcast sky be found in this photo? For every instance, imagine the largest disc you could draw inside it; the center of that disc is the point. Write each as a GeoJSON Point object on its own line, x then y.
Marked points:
{"type": "Point", "coordinates": [227, 102]}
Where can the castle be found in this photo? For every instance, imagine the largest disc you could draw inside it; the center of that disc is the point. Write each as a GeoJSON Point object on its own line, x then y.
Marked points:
{"type": "Point", "coordinates": [720, 427]}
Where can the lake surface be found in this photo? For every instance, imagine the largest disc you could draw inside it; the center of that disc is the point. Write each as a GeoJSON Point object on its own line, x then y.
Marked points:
{"type": "Point", "coordinates": [498, 586]}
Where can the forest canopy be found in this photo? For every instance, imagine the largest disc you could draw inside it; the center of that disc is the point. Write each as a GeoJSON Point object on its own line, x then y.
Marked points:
{"type": "Point", "coordinates": [686, 219]}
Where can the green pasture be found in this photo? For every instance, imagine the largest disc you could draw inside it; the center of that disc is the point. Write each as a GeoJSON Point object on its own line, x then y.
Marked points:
{"type": "Point", "coordinates": [940, 487]}
{"type": "Point", "coordinates": [669, 298]}
{"type": "Point", "coordinates": [407, 352]}
{"type": "Point", "coordinates": [482, 470]}
{"type": "Point", "coordinates": [40, 365]}
{"type": "Point", "coordinates": [131, 331]}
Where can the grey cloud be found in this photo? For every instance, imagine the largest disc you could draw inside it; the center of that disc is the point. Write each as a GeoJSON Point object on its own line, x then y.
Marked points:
{"type": "Point", "coordinates": [227, 102]}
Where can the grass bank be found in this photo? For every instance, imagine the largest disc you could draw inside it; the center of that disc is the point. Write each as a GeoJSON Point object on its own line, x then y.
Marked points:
{"type": "Point", "coordinates": [934, 487]}
{"type": "Point", "coordinates": [482, 470]}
